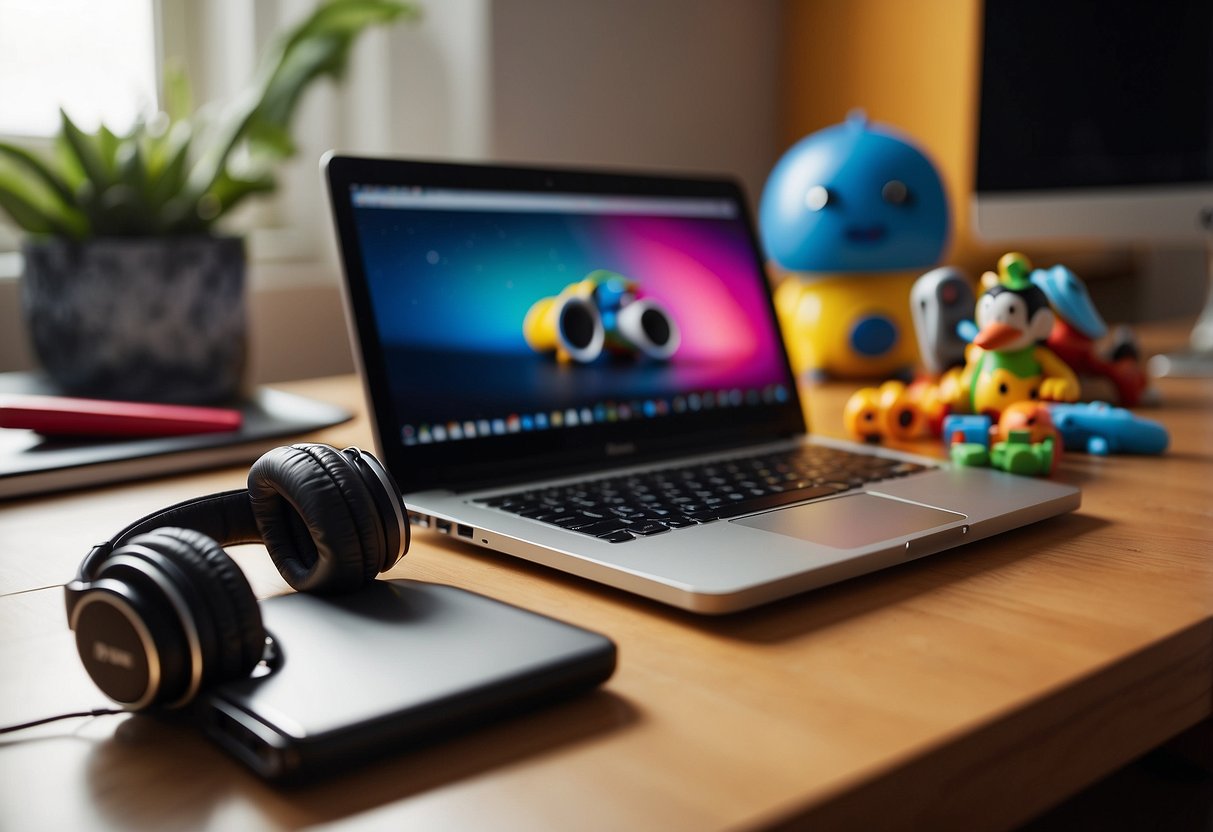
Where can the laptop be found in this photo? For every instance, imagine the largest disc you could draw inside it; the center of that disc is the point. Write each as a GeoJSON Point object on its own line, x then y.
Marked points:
{"type": "Point", "coordinates": [584, 369]}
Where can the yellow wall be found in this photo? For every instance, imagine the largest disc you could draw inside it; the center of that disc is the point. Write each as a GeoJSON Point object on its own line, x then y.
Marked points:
{"type": "Point", "coordinates": [915, 65]}
{"type": "Point", "coordinates": [908, 63]}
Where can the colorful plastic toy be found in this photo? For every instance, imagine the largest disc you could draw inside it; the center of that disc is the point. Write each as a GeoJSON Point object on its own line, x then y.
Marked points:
{"type": "Point", "coordinates": [894, 410]}
{"type": "Point", "coordinates": [970, 454]}
{"type": "Point", "coordinates": [1034, 421]}
{"type": "Point", "coordinates": [971, 428]}
{"type": "Point", "coordinates": [863, 415]}
{"type": "Point", "coordinates": [1034, 418]}
{"type": "Point", "coordinates": [1024, 440]}
{"type": "Point", "coordinates": [941, 302]}
{"type": "Point", "coordinates": [1015, 455]}
{"type": "Point", "coordinates": [1006, 362]}
{"type": "Point", "coordinates": [1018, 454]}
{"type": "Point", "coordinates": [1091, 427]}
{"type": "Point", "coordinates": [891, 411]}
{"type": "Point", "coordinates": [847, 213]}
{"type": "Point", "coordinates": [1098, 428]}
{"type": "Point", "coordinates": [603, 312]}
{"type": "Point", "coordinates": [1078, 327]}
{"type": "Point", "coordinates": [974, 443]}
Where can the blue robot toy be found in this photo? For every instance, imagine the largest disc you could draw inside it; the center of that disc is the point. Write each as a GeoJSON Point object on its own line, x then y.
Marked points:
{"type": "Point", "coordinates": [852, 214]}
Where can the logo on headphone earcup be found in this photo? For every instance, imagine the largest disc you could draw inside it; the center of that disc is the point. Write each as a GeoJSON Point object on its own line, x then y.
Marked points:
{"type": "Point", "coordinates": [163, 615]}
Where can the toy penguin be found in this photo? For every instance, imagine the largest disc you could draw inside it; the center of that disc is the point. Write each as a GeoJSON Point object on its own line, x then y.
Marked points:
{"type": "Point", "coordinates": [1006, 362]}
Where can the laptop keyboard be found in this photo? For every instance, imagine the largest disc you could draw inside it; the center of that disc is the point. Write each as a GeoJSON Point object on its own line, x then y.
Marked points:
{"type": "Point", "coordinates": [622, 508]}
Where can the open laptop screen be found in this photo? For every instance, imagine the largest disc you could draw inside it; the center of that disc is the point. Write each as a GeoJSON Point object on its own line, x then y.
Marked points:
{"type": "Point", "coordinates": [506, 328]}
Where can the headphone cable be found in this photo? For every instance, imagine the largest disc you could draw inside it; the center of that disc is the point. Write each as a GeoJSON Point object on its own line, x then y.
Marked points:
{"type": "Point", "coordinates": [8, 729]}
{"type": "Point", "coordinates": [95, 712]}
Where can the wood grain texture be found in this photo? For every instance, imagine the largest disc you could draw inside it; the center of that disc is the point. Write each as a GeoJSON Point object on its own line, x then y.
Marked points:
{"type": "Point", "coordinates": [967, 690]}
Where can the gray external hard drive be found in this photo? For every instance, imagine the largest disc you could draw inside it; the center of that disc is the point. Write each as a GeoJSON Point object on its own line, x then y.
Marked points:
{"type": "Point", "coordinates": [388, 667]}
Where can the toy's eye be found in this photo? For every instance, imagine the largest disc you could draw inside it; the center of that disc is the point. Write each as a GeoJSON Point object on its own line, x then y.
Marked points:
{"type": "Point", "coordinates": [895, 192]}
{"type": "Point", "coordinates": [818, 197]}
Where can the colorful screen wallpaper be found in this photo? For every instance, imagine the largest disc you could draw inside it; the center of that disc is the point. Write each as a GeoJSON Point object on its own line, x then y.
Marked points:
{"type": "Point", "coordinates": [451, 290]}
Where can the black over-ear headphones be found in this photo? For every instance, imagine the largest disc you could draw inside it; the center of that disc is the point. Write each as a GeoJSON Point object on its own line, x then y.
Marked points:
{"type": "Point", "coordinates": [160, 610]}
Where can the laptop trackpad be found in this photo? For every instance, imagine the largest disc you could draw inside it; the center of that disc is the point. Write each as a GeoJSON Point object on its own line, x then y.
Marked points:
{"type": "Point", "coordinates": [852, 521]}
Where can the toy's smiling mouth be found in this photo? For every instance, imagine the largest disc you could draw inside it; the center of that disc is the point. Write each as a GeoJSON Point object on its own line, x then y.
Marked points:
{"type": "Point", "coordinates": [866, 233]}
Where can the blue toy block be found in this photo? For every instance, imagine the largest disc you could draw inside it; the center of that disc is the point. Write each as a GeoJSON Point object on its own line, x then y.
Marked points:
{"type": "Point", "coordinates": [973, 429]}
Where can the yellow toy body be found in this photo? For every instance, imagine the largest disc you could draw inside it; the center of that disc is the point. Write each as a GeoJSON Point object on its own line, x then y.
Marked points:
{"type": "Point", "coordinates": [890, 411]}
{"type": "Point", "coordinates": [988, 385]}
{"type": "Point", "coordinates": [848, 325]}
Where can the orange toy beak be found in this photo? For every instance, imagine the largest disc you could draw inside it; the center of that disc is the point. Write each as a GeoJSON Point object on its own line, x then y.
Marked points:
{"type": "Point", "coordinates": [993, 336]}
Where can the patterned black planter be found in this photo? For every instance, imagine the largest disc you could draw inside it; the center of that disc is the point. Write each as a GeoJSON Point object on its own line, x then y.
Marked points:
{"type": "Point", "coordinates": [155, 319]}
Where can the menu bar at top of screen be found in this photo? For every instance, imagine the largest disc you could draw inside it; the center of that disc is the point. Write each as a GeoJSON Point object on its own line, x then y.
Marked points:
{"type": "Point", "coordinates": [437, 199]}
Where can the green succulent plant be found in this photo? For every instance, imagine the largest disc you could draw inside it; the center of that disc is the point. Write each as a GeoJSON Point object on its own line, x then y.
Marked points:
{"type": "Point", "coordinates": [179, 171]}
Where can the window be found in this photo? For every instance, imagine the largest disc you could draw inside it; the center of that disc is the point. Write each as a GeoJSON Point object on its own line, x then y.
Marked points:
{"type": "Point", "coordinates": [96, 60]}
{"type": "Point", "coordinates": [101, 61]}
{"type": "Point", "coordinates": [419, 89]}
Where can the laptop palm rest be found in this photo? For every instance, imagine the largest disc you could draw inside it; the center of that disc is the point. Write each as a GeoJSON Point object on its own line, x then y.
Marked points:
{"type": "Point", "coordinates": [855, 521]}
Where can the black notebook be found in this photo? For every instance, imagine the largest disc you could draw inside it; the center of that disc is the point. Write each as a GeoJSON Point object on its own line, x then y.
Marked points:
{"type": "Point", "coordinates": [32, 464]}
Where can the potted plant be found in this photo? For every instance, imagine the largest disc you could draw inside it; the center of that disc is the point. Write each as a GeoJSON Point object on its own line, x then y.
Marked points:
{"type": "Point", "coordinates": [128, 290]}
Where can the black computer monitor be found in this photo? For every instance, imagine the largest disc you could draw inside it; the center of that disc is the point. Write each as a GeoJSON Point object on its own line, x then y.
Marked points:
{"type": "Point", "coordinates": [1096, 122]}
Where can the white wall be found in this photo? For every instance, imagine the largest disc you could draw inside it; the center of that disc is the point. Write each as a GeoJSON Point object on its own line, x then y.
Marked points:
{"type": "Point", "coordinates": [686, 85]}
{"type": "Point", "coordinates": [681, 85]}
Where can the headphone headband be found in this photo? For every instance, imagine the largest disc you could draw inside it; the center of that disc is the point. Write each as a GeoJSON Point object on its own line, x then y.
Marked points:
{"type": "Point", "coordinates": [226, 517]}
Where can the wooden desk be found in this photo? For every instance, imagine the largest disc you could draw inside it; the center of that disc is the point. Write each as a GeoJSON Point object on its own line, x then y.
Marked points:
{"type": "Point", "coordinates": [968, 690]}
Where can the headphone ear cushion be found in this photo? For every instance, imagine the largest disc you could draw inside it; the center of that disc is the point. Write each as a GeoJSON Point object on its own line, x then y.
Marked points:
{"type": "Point", "coordinates": [230, 615]}
{"type": "Point", "coordinates": [317, 518]}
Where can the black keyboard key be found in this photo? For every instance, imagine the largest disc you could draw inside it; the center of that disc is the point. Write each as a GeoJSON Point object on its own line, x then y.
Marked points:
{"type": "Point", "coordinates": [648, 527]}
{"type": "Point", "coordinates": [568, 521]}
{"type": "Point", "coordinates": [626, 511]}
{"type": "Point", "coordinates": [650, 514]}
{"type": "Point", "coordinates": [602, 527]}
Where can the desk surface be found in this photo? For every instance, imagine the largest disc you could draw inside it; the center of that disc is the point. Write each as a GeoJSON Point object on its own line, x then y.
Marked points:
{"type": "Point", "coordinates": [970, 689]}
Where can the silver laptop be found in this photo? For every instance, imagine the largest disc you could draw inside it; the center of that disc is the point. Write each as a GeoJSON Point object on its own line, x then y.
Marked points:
{"type": "Point", "coordinates": [584, 369]}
